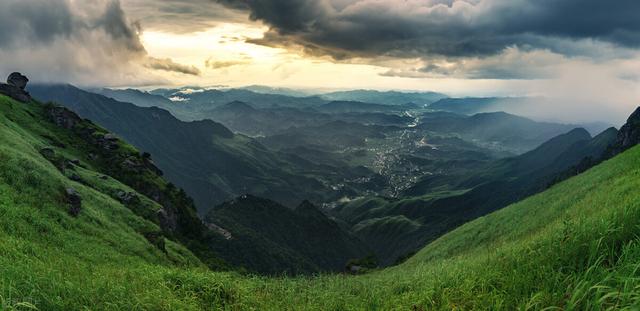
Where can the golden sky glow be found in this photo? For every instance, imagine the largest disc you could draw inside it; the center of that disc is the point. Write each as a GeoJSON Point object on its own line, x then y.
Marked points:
{"type": "Point", "coordinates": [468, 48]}
{"type": "Point", "coordinates": [225, 58]}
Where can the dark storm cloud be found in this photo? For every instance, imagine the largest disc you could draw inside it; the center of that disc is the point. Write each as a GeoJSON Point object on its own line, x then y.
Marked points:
{"type": "Point", "coordinates": [453, 28]}
{"type": "Point", "coordinates": [84, 42]}
{"type": "Point", "coordinates": [114, 22]}
{"type": "Point", "coordinates": [181, 16]}
{"type": "Point", "coordinates": [41, 22]}
{"type": "Point", "coordinates": [614, 21]}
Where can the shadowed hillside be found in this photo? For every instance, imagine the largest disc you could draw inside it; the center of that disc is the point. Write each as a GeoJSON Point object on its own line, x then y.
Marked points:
{"type": "Point", "coordinates": [204, 157]}
{"type": "Point", "coordinates": [310, 241]}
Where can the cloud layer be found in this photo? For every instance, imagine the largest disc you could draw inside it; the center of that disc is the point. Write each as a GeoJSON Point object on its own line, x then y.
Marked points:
{"type": "Point", "coordinates": [583, 53]}
{"type": "Point", "coordinates": [445, 28]}
{"type": "Point", "coordinates": [87, 43]}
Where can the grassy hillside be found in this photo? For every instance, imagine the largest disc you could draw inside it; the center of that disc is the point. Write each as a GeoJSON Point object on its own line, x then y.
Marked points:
{"type": "Point", "coordinates": [574, 246]}
{"type": "Point", "coordinates": [53, 258]}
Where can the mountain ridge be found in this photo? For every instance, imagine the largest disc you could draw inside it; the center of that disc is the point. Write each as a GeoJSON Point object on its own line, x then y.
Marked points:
{"type": "Point", "coordinates": [226, 167]}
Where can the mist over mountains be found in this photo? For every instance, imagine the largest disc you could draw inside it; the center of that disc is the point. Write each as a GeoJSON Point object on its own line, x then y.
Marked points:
{"type": "Point", "coordinates": [392, 177]}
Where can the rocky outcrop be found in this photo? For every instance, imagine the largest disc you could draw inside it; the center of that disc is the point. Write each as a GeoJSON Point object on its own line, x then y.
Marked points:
{"type": "Point", "coordinates": [15, 87]}
{"type": "Point", "coordinates": [149, 164]}
{"type": "Point", "coordinates": [108, 142]}
{"type": "Point", "coordinates": [168, 220]}
{"type": "Point", "coordinates": [74, 200]}
{"type": "Point", "coordinates": [140, 164]}
{"type": "Point", "coordinates": [63, 117]}
{"type": "Point", "coordinates": [18, 80]}
{"type": "Point", "coordinates": [127, 198]}
{"type": "Point", "coordinates": [67, 119]}
{"type": "Point", "coordinates": [628, 135]}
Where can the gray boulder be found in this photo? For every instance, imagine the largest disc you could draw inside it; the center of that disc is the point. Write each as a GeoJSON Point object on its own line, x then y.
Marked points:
{"type": "Point", "coordinates": [14, 87]}
{"type": "Point", "coordinates": [18, 80]}
{"type": "Point", "coordinates": [127, 198]}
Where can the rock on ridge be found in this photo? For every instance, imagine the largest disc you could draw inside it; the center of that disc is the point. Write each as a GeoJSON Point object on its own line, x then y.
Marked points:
{"type": "Point", "coordinates": [14, 88]}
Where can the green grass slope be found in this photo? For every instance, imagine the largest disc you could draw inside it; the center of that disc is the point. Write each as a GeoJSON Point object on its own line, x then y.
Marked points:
{"type": "Point", "coordinates": [52, 260]}
{"type": "Point", "coordinates": [572, 247]}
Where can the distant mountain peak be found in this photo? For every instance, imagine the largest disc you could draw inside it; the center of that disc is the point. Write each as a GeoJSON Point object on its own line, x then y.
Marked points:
{"type": "Point", "coordinates": [579, 131]}
{"type": "Point", "coordinates": [574, 135]}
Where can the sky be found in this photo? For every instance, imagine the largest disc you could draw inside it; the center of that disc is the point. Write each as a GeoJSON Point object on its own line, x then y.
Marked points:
{"type": "Point", "coordinates": [582, 55]}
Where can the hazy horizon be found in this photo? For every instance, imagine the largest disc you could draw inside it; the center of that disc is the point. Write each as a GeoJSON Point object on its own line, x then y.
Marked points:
{"type": "Point", "coordinates": [582, 55]}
